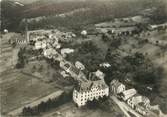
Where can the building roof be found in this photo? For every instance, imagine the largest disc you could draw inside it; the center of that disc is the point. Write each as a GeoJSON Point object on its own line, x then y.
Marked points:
{"type": "Point", "coordinates": [67, 50]}
{"type": "Point", "coordinates": [116, 83]}
{"type": "Point", "coordinates": [105, 64]}
{"type": "Point", "coordinates": [87, 86]}
{"type": "Point", "coordinates": [79, 65]}
{"type": "Point", "coordinates": [84, 32]}
{"type": "Point", "coordinates": [74, 70]}
{"type": "Point", "coordinates": [117, 23]}
{"type": "Point", "coordinates": [49, 52]}
{"type": "Point", "coordinates": [129, 92]}
{"type": "Point", "coordinates": [99, 74]}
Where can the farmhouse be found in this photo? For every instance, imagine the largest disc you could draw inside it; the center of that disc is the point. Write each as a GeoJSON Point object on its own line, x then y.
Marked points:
{"type": "Point", "coordinates": [49, 53]}
{"type": "Point", "coordinates": [135, 100]}
{"type": "Point", "coordinates": [116, 87]}
{"type": "Point", "coordinates": [71, 69]}
{"type": "Point", "coordinates": [140, 103]}
{"type": "Point", "coordinates": [127, 94]}
{"type": "Point", "coordinates": [87, 91]}
{"type": "Point", "coordinates": [99, 74]}
{"type": "Point", "coordinates": [79, 65]}
{"type": "Point", "coordinates": [40, 45]}
{"type": "Point", "coordinates": [66, 51]}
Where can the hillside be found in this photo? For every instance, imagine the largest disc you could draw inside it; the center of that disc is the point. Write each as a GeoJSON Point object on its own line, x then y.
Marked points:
{"type": "Point", "coordinates": [99, 11]}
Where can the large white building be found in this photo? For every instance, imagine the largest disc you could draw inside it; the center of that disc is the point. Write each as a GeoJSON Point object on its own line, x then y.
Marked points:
{"type": "Point", "coordinates": [87, 91]}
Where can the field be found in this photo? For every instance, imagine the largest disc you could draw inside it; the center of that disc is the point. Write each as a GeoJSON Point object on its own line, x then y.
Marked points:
{"type": "Point", "coordinates": [46, 73]}
{"type": "Point", "coordinates": [18, 89]}
{"type": "Point", "coordinates": [153, 49]}
{"type": "Point", "coordinates": [158, 56]}
{"type": "Point", "coordinates": [8, 54]}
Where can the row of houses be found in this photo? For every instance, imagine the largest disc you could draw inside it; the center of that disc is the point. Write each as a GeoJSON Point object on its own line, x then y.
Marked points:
{"type": "Point", "coordinates": [158, 27]}
{"type": "Point", "coordinates": [89, 87]}
{"type": "Point", "coordinates": [136, 101]}
{"type": "Point", "coordinates": [119, 31]}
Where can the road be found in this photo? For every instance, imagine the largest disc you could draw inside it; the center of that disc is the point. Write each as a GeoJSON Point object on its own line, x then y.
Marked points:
{"type": "Point", "coordinates": [124, 107]}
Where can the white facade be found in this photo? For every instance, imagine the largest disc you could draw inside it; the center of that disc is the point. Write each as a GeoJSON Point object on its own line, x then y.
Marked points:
{"type": "Point", "coordinates": [79, 65]}
{"type": "Point", "coordinates": [84, 33]}
{"type": "Point", "coordinates": [139, 99]}
{"type": "Point", "coordinates": [81, 97]}
{"type": "Point", "coordinates": [134, 101]}
{"type": "Point", "coordinates": [141, 110]}
{"type": "Point", "coordinates": [40, 45]}
{"type": "Point", "coordinates": [49, 53]}
{"type": "Point", "coordinates": [99, 74]}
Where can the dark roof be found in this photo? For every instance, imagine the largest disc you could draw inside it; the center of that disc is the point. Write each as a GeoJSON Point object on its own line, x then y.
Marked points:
{"type": "Point", "coordinates": [67, 65]}
{"type": "Point", "coordinates": [74, 69]}
{"type": "Point", "coordinates": [86, 86]}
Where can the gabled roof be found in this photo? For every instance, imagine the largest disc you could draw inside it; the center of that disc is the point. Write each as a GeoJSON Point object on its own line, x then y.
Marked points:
{"type": "Point", "coordinates": [87, 86]}
{"type": "Point", "coordinates": [74, 70]}
{"type": "Point", "coordinates": [115, 83]}
{"type": "Point", "coordinates": [129, 92]}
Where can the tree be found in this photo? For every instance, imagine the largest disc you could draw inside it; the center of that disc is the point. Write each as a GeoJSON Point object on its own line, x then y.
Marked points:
{"type": "Point", "coordinates": [40, 68]}
{"type": "Point", "coordinates": [34, 68]}
{"type": "Point", "coordinates": [21, 58]}
{"type": "Point", "coordinates": [88, 47]}
{"type": "Point", "coordinates": [14, 44]}
{"type": "Point", "coordinates": [92, 104]}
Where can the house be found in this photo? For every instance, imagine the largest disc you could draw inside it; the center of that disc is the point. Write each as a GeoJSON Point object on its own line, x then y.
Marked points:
{"type": "Point", "coordinates": [57, 57]}
{"type": "Point", "coordinates": [133, 101]}
{"type": "Point", "coordinates": [65, 51]}
{"type": "Point", "coordinates": [49, 53]}
{"type": "Point", "coordinates": [99, 74]}
{"type": "Point", "coordinates": [65, 65]}
{"type": "Point", "coordinates": [87, 91]}
{"type": "Point", "coordinates": [141, 110]}
{"type": "Point", "coordinates": [84, 33]}
{"type": "Point", "coordinates": [18, 39]}
{"type": "Point", "coordinates": [116, 87]}
{"type": "Point", "coordinates": [124, 30]}
{"type": "Point", "coordinates": [71, 69]}
{"type": "Point", "coordinates": [105, 65]}
{"type": "Point", "coordinates": [137, 99]}
{"type": "Point", "coordinates": [127, 94]}
{"type": "Point", "coordinates": [40, 45]}
{"type": "Point", "coordinates": [158, 26]}
{"type": "Point", "coordinates": [21, 41]}
{"type": "Point", "coordinates": [64, 74]}
{"type": "Point", "coordinates": [5, 31]}
{"type": "Point", "coordinates": [79, 65]}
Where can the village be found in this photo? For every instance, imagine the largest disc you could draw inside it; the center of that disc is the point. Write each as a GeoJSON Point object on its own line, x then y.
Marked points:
{"type": "Point", "coordinates": [89, 85]}
{"type": "Point", "coordinates": [96, 66]}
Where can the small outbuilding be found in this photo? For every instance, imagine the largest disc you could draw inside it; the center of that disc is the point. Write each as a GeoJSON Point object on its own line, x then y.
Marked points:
{"type": "Point", "coordinates": [84, 33]}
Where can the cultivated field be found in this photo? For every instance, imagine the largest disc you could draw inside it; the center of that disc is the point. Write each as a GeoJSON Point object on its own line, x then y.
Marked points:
{"type": "Point", "coordinates": [18, 89]}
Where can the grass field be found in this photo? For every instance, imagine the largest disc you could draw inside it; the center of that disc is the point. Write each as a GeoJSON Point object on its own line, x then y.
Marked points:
{"type": "Point", "coordinates": [18, 89]}
{"type": "Point", "coordinates": [8, 54]}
